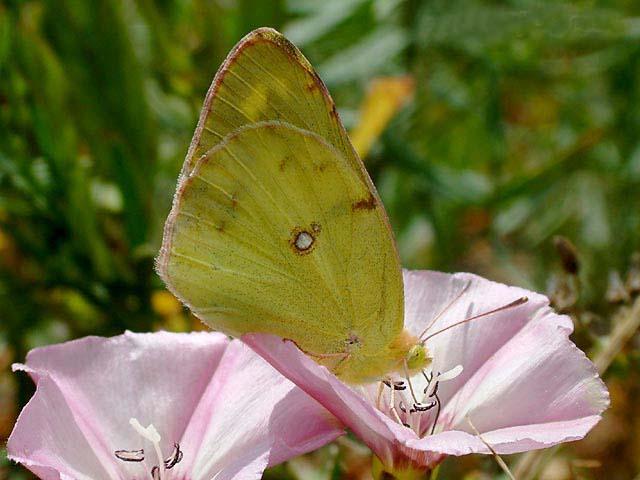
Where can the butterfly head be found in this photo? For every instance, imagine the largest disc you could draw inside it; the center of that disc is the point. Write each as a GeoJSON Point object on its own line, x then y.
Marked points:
{"type": "Point", "coordinates": [417, 357]}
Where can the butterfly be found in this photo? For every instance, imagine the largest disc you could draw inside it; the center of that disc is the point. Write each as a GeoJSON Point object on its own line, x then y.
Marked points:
{"type": "Point", "coordinates": [276, 226]}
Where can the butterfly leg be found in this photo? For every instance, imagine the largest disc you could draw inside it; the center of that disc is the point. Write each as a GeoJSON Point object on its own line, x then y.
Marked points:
{"type": "Point", "coordinates": [438, 408]}
{"type": "Point", "coordinates": [417, 405]}
{"type": "Point", "coordinates": [342, 355]}
{"type": "Point", "coordinates": [380, 392]}
{"type": "Point", "coordinates": [392, 406]}
{"type": "Point", "coordinates": [433, 393]}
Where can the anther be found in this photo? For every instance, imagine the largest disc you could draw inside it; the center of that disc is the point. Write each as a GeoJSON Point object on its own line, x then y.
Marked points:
{"type": "Point", "coordinates": [130, 455]}
{"type": "Point", "coordinates": [399, 385]}
{"type": "Point", "coordinates": [423, 407]}
{"type": "Point", "coordinates": [175, 458]}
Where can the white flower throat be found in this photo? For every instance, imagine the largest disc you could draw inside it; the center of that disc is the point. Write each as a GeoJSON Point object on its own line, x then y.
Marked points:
{"type": "Point", "coordinates": [149, 433]}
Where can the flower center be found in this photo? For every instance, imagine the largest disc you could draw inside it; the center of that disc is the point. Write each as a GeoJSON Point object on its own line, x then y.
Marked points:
{"type": "Point", "coordinates": [414, 401]}
{"type": "Point", "coordinates": [149, 433]}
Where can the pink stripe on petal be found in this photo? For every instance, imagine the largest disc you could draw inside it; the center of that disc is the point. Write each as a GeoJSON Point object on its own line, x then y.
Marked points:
{"type": "Point", "coordinates": [230, 411]}
{"type": "Point", "coordinates": [249, 410]}
{"type": "Point", "coordinates": [47, 439]}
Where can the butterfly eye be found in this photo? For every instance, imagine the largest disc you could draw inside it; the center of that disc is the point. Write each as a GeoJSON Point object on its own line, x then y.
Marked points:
{"type": "Point", "coordinates": [417, 357]}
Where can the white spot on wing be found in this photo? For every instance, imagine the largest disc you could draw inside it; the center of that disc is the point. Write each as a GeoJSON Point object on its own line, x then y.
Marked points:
{"type": "Point", "coordinates": [303, 241]}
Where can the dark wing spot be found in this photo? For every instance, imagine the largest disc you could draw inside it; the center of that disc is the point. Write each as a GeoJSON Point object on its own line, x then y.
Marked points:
{"type": "Point", "coordinates": [312, 87]}
{"type": "Point", "coordinates": [284, 162]}
{"type": "Point", "coordinates": [365, 204]}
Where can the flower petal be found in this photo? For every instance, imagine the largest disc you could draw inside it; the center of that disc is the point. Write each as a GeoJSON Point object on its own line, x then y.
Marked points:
{"type": "Point", "coordinates": [523, 383]}
{"type": "Point", "coordinates": [378, 431]}
{"type": "Point", "coordinates": [48, 441]}
{"type": "Point", "coordinates": [251, 415]}
{"type": "Point", "coordinates": [430, 294]}
{"type": "Point", "coordinates": [157, 378]}
{"type": "Point", "coordinates": [507, 440]}
{"type": "Point", "coordinates": [538, 378]}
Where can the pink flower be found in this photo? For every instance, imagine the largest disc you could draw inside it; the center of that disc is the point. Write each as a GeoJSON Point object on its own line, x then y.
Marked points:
{"type": "Point", "coordinates": [161, 405]}
{"type": "Point", "coordinates": [514, 375]}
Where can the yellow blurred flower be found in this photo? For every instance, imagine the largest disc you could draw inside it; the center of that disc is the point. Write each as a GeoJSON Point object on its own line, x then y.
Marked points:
{"type": "Point", "coordinates": [386, 96]}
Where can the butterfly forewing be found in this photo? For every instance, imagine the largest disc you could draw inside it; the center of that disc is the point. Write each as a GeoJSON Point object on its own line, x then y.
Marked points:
{"type": "Point", "coordinates": [276, 226]}
{"type": "Point", "coordinates": [273, 231]}
{"type": "Point", "coordinates": [265, 77]}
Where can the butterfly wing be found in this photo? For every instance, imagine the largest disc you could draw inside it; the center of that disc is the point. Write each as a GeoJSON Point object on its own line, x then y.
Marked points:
{"type": "Point", "coordinates": [266, 77]}
{"type": "Point", "coordinates": [276, 226]}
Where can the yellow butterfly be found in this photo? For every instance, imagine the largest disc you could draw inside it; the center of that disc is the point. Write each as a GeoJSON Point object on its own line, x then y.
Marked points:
{"type": "Point", "coordinates": [276, 226]}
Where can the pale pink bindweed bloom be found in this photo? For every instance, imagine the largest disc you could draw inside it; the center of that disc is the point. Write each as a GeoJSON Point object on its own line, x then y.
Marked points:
{"type": "Point", "coordinates": [161, 406]}
{"type": "Point", "coordinates": [513, 376]}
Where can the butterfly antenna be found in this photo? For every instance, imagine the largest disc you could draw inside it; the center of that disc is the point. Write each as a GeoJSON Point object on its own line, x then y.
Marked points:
{"type": "Point", "coordinates": [438, 408]}
{"type": "Point", "coordinates": [449, 305]}
{"type": "Point", "coordinates": [515, 303]}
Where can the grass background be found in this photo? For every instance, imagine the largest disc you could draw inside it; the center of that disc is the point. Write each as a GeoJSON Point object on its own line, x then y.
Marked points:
{"type": "Point", "coordinates": [523, 125]}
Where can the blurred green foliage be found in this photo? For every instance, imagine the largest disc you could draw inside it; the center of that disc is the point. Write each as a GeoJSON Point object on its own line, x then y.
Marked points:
{"type": "Point", "coordinates": [524, 125]}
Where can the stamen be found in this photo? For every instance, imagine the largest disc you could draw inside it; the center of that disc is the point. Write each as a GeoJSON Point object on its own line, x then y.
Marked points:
{"type": "Point", "coordinates": [399, 385]}
{"type": "Point", "coordinates": [175, 458]}
{"type": "Point", "coordinates": [380, 392]}
{"type": "Point", "coordinates": [434, 380]}
{"type": "Point", "coordinates": [151, 434]}
{"type": "Point", "coordinates": [439, 407]}
{"type": "Point", "coordinates": [406, 374]}
{"type": "Point", "coordinates": [436, 384]}
{"type": "Point", "coordinates": [431, 391]}
{"type": "Point", "coordinates": [422, 407]}
{"type": "Point", "coordinates": [450, 374]}
{"type": "Point", "coordinates": [515, 303]}
{"type": "Point", "coordinates": [130, 455]}
{"type": "Point", "coordinates": [392, 406]}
